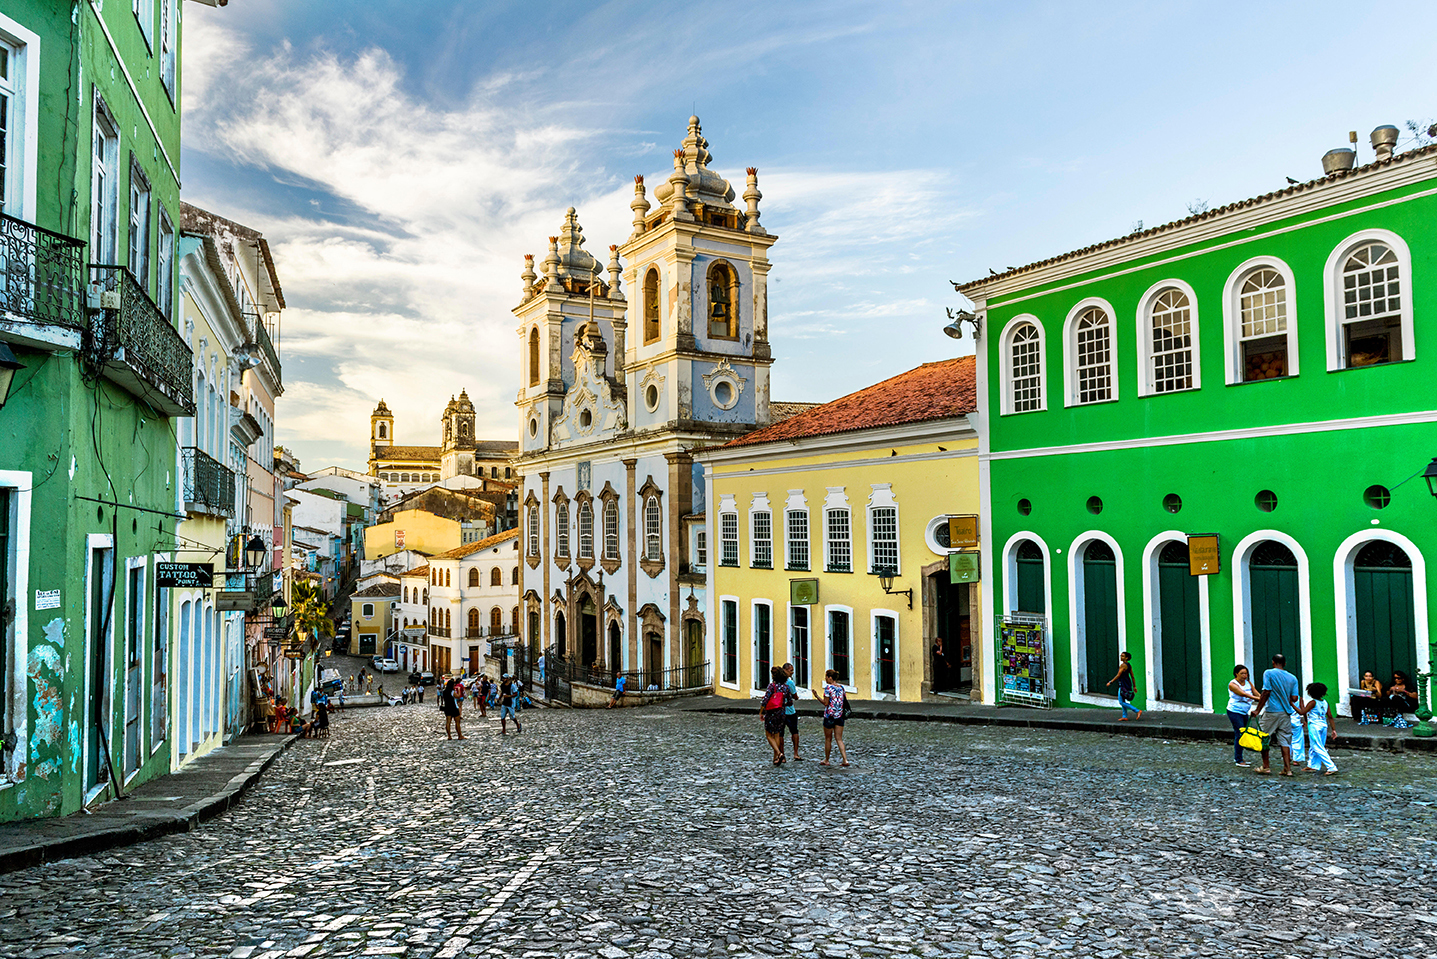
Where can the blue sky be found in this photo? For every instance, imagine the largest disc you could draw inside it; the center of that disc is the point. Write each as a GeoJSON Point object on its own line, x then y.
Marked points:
{"type": "Point", "coordinates": [402, 157]}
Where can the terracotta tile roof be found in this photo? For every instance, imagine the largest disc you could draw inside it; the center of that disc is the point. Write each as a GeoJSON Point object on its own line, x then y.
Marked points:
{"type": "Point", "coordinates": [781, 411]}
{"type": "Point", "coordinates": [417, 571]}
{"type": "Point", "coordinates": [1208, 215]}
{"type": "Point", "coordinates": [380, 589]}
{"type": "Point", "coordinates": [469, 549]}
{"type": "Point", "coordinates": [388, 453]}
{"type": "Point", "coordinates": [933, 391]}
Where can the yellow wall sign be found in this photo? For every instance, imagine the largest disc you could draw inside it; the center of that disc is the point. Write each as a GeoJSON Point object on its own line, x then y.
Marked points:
{"type": "Point", "coordinates": [963, 568]}
{"type": "Point", "coordinates": [803, 592]}
{"type": "Point", "coordinates": [962, 532]}
{"type": "Point", "coordinates": [1204, 557]}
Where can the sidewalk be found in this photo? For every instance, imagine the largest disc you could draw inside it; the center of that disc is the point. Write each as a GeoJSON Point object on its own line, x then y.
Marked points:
{"type": "Point", "coordinates": [1202, 727]}
{"type": "Point", "coordinates": [174, 803]}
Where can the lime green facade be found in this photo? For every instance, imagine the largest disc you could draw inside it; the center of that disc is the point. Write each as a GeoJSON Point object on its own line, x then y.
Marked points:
{"type": "Point", "coordinates": [1249, 373]}
{"type": "Point", "coordinates": [88, 468]}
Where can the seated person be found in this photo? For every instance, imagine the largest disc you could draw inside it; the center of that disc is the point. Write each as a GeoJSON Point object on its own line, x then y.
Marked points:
{"type": "Point", "coordinates": [1401, 695]}
{"type": "Point", "coordinates": [1367, 699]}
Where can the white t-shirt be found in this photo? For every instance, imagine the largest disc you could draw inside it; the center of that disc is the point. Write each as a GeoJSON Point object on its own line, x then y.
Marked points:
{"type": "Point", "coordinates": [1240, 704]}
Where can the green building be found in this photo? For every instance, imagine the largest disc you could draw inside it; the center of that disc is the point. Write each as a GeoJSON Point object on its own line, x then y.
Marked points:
{"type": "Point", "coordinates": [89, 112]}
{"type": "Point", "coordinates": [1263, 372]}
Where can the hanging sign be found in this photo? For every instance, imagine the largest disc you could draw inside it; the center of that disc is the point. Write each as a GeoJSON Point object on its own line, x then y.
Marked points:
{"type": "Point", "coordinates": [293, 654]}
{"type": "Point", "coordinates": [1203, 555]}
{"type": "Point", "coordinates": [963, 532]}
{"type": "Point", "coordinates": [1023, 662]}
{"type": "Point", "coordinates": [234, 601]}
{"type": "Point", "coordinates": [185, 575]}
{"type": "Point", "coordinates": [803, 592]}
{"type": "Point", "coordinates": [963, 567]}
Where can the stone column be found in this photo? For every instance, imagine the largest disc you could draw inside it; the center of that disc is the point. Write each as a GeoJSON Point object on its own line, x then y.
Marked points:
{"type": "Point", "coordinates": [631, 557]}
{"type": "Point", "coordinates": [544, 610]}
{"type": "Point", "coordinates": [681, 497]}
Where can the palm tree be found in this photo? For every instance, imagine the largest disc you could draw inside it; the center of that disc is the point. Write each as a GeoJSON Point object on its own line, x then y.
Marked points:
{"type": "Point", "coordinates": [311, 612]}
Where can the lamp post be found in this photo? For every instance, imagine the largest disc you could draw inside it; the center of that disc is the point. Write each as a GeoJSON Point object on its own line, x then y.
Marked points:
{"type": "Point", "coordinates": [1424, 679]}
{"type": "Point", "coordinates": [885, 579]}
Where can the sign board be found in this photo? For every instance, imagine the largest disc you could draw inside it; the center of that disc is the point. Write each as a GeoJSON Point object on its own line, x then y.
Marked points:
{"type": "Point", "coordinates": [1204, 558]}
{"type": "Point", "coordinates": [962, 532]}
{"type": "Point", "coordinates": [963, 568]}
{"type": "Point", "coordinates": [185, 575]}
{"type": "Point", "coordinates": [234, 600]}
{"type": "Point", "coordinates": [803, 592]}
{"type": "Point", "coordinates": [276, 632]}
{"type": "Point", "coordinates": [47, 599]}
{"type": "Point", "coordinates": [1023, 662]}
{"type": "Point", "coordinates": [293, 654]}
{"type": "Point", "coordinates": [399, 539]}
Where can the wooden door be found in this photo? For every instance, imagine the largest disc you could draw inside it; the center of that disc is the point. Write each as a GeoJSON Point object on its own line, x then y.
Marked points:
{"type": "Point", "coordinates": [1385, 611]}
{"type": "Point", "coordinates": [1179, 627]}
{"type": "Point", "coordinates": [1100, 615]}
{"type": "Point", "coordinates": [1273, 615]}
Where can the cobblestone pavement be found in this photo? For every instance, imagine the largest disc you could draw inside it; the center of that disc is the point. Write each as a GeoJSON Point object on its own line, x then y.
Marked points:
{"type": "Point", "coordinates": [650, 833]}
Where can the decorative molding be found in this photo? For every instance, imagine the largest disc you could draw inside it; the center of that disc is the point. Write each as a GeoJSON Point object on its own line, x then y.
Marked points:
{"type": "Point", "coordinates": [723, 372]}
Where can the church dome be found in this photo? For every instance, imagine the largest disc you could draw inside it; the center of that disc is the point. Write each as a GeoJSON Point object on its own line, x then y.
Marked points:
{"type": "Point", "coordinates": [705, 186]}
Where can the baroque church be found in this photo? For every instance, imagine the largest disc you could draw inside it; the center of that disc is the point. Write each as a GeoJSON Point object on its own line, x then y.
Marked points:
{"type": "Point", "coordinates": [401, 468]}
{"type": "Point", "coordinates": [612, 504]}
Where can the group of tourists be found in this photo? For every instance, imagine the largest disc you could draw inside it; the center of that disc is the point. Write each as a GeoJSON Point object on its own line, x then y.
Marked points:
{"type": "Point", "coordinates": [1385, 704]}
{"type": "Point", "coordinates": [779, 711]}
{"type": "Point", "coordinates": [1297, 726]}
{"type": "Point", "coordinates": [507, 694]}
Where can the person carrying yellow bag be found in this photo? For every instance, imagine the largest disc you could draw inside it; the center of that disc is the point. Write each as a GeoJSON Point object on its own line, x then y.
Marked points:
{"type": "Point", "coordinates": [1241, 697]}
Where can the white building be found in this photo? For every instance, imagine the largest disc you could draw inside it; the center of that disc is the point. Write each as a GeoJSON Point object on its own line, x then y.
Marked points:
{"type": "Point", "coordinates": [472, 600]}
{"type": "Point", "coordinates": [608, 415]}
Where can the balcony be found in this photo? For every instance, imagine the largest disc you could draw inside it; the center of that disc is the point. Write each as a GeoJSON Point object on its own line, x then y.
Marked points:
{"type": "Point", "coordinates": [42, 286]}
{"type": "Point", "coordinates": [209, 484]}
{"type": "Point", "coordinates": [266, 346]}
{"type": "Point", "coordinates": [130, 342]}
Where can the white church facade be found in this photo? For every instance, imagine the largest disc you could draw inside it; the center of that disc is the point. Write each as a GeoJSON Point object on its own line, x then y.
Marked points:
{"type": "Point", "coordinates": [612, 405]}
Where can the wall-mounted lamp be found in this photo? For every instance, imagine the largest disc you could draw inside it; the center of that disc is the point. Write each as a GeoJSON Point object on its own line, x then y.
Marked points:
{"type": "Point", "coordinates": [959, 317]}
{"type": "Point", "coordinates": [254, 551]}
{"type": "Point", "coordinates": [885, 579]}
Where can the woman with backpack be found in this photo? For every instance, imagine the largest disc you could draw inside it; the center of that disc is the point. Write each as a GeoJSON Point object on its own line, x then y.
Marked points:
{"type": "Point", "coordinates": [835, 712]}
{"type": "Point", "coordinates": [775, 697]}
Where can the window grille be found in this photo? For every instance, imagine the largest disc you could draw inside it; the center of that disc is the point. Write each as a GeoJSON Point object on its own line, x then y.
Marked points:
{"type": "Point", "coordinates": [1095, 356]}
{"type": "Point", "coordinates": [798, 539]}
{"type": "Point", "coordinates": [728, 539]}
{"type": "Point", "coordinates": [1262, 305]}
{"type": "Point", "coordinates": [762, 534]}
{"type": "Point", "coordinates": [586, 531]}
{"type": "Point", "coordinates": [1027, 369]}
{"type": "Point", "coordinates": [701, 548]}
{"type": "Point", "coordinates": [653, 530]}
{"type": "Point", "coordinates": [1172, 354]}
{"type": "Point", "coordinates": [883, 536]}
{"type": "Point", "coordinates": [561, 530]}
{"type": "Point", "coordinates": [840, 545]}
{"type": "Point", "coordinates": [1370, 282]}
{"type": "Point", "coordinates": [533, 531]}
{"type": "Point", "coordinates": [611, 530]}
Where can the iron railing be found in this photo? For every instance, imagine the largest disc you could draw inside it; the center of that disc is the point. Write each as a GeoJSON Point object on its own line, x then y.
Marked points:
{"type": "Point", "coordinates": [266, 346]}
{"type": "Point", "coordinates": [489, 632]}
{"type": "Point", "coordinates": [131, 331]}
{"type": "Point", "coordinates": [440, 631]}
{"type": "Point", "coordinates": [560, 673]}
{"type": "Point", "coordinates": [42, 274]}
{"type": "Point", "coordinates": [209, 484]}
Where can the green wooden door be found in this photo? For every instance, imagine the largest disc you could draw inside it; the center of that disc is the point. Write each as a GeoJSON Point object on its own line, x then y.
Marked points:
{"type": "Point", "coordinates": [1179, 627]}
{"type": "Point", "coordinates": [1382, 589]}
{"type": "Point", "coordinates": [1032, 590]}
{"type": "Point", "coordinates": [1272, 607]}
{"type": "Point", "coordinates": [1100, 615]}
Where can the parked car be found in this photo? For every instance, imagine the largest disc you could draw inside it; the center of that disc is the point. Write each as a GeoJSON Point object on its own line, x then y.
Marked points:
{"type": "Point", "coordinates": [426, 678]}
{"type": "Point", "coordinates": [385, 664]}
{"type": "Point", "coordinates": [330, 681]}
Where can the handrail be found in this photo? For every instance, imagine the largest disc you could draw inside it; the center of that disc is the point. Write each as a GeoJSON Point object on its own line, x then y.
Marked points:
{"type": "Point", "coordinates": [208, 483]}
{"type": "Point", "coordinates": [133, 325]}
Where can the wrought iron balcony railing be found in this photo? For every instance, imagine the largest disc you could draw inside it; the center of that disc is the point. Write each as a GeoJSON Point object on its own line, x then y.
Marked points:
{"type": "Point", "coordinates": [41, 274]}
{"type": "Point", "coordinates": [209, 484]}
{"type": "Point", "coordinates": [266, 345]}
{"type": "Point", "coordinates": [131, 342]}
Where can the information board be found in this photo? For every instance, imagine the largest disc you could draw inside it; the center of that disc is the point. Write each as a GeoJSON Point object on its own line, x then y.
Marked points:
{"type": "Point", "coordinates": [1204, 556]}
{"type": "Point", "coordinates": [803, 592]}
{"type": "Point", "coordinates": [1023, 661]}
{"type": "Point", "coordinates": [184, 575]}
{"type": "Point", "coordinates": [963, 532]}
{"type": "Point", "coordinates": [963, 567]}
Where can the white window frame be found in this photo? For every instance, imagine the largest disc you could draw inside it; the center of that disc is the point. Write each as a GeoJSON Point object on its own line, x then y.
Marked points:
{"type": "Point", "coordinates": [1335, 305]}
{"type": "Point", "coordinates": [561, 530]}
{"type": "Point", "coordinates": [144, 11]}
{"type": "Point", "coordinates": [16, 685]}
{"type": "Point", "coordinates": [759, 506]}
{"type": "Point", "coordinates": [1242, 601]}
{"type": "Point", "coordinates": [790, 626]}
{"type": "Point", "coordinates": [722, 619]}
{"type": "Point", "coordinates": [22, 149]}
{"type": "Point", "coordinates": [532, 533]}
{"type": "Point", "coordinates": [873, 616]}
{"type": "Point", "coordinates": [1147, 385]}
{"type": "Point", "coordinates": [104, 235]}
{"type": "Point", "coordinates": [701, 548]}
{"type": "Point", "coordinates": [366, 610]}
{"type": "Point", "coordinates": [1077, 645]}
{"type": "Point", "coordinates": [797, 504]}
{"type": "Point", "coordinates": [755, 690]}
{"type": "Point", "coordinates": [1153, 617]}
{"type": "Point", "coordinates": [1070, 351]}
{"type": "Point", "coordinates": [165, 264]}
{"type": "Point", "coordinates": [1005, 364]}
{"type": "Point", "coordinates": [139, 632]}
{"type": "Point", "coordinates": [611, 512]}
{"type": "Point", "coordinates": [1232, 316]}
{"type": "Point", "coordinates": [1343, 589]}
{"type": "Point", "coordinates": [836, 499]}
{"type": "Point", "coordinates": [653, 529]}
{"type": "Point", "coordinates": [882, 498]}
{"type": "Point", "coordinates": [169, 33]}
{"type": "Point", "coordinates": [850, 686]}
{"type": "Point", "coordinates": [137, 224]}
{"type": "Point", "coordinates": [93, 542]}
{"type": "Point", "coordinates": [728, 509]}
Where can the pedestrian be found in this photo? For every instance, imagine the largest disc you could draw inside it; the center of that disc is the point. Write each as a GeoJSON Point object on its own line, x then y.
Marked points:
{"type": "Point", "coordinates": [835, 713]}
{"type": "Point", "coordinates": [481, 695]}
{"type": "Point", "coordinates": [420, 695]}
{"type": "Point", "coordinates": [1314, 715]}
{"type": "Point", "coordinates": [508, 693]}
{"type": "Point", "coordinates": [541, 667]}
{"type": "Point", "coordinates": [619, 682]}
{"type": "Point", "coordinates": [1275, 708]}
{"type": "Point", "coordinates": [451, 699]}
{"type": "Point", "coordinates": [321, 716]}
{"type": "Point", "coordinates": [790, 709]}
{"type": "Point", "coordinates": [1126, 686]}
{"type": "Point", "coordinates": [771, 711]}
{"type": "Point", "coordinates": [1241, 697]}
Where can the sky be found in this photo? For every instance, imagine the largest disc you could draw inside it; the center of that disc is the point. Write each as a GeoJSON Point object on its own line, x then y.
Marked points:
{"type": "Point", "coordinates": [401, 156]}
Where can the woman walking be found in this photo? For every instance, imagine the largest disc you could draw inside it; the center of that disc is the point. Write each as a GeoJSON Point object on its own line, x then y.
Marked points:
{"type": "Point", "coordinates": [835, 712]}
{"type": "Point", "coordinates": [451, 700]}
{"type": "Point", "coordinates": [774, 699]}
{"type": "Point", "coordinates": [1241, 697]}
{"type": "Point", "coordinates": [1126, 686]}
{"type": "Point", "coordinates": [482, 696]}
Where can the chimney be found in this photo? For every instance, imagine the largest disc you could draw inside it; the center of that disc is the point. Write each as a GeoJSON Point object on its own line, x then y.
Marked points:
{"type": "Point", "coordinates": [1338, 161]}
{"type": "Point", "coordinates": [1384, 139]}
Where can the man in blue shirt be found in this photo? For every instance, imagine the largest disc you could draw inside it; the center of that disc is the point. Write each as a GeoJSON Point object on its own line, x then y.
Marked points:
{"type": "Point", "coordinates": [1276, 706]}
{"type": "Point", "coordinates": [618, 690]}
{"type": "Point", "coordinates": [790, 709]}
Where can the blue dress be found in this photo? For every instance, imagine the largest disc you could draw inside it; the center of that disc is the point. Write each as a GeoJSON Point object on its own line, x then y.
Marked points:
{"type": "Point", "coordinates": [1317, 757]}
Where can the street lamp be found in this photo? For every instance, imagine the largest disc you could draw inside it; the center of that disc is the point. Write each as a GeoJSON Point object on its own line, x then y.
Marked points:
{"type": "Point", "coordinates": [955, 328]}
{"type": "Point", "coordinates": [1430, 475]}
{"type": "Point", "coordinates": [8, 367]}
{"type": "Point", "coordinates": [885, 579]}
{"type": "Point", "coordinates": [254, 551]}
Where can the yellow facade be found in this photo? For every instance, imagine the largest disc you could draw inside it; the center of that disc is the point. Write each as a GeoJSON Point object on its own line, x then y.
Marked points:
{"type": "Point", "coordinates": [412, 529]}
{"type": "Point", "coordinates": [370, 619]}
{"type": "Point", "coordinates": [926, 473]}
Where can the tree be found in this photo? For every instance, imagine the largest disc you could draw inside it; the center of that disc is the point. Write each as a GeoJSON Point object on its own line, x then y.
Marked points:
{"type": "Point", "coordinates": [311, 612]}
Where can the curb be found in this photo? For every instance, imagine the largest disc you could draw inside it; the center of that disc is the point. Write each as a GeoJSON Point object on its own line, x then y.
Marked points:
{"type": "Point", "coordinates": [1188, 733]}
{"type": "Point", "coordinates": [127, 834]}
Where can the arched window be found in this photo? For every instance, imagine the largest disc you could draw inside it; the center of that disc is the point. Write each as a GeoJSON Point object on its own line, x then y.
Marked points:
{"type": "Point", "coordinates": [611, 529]}
{"type": "Point", "coordinates": [447, 577]}
{"type": "Point", "coordinates": [653, 529]}
{"type": "Point", "coordinates": [1032, 584]}
{"type": "Point", "coordinates": [434, 577]}
{"type": "Point", "coordinates": [474, 576]}
{"type": "Point", "coordinates": [383, 430]}
{"type": "Point", "coordinates": [533, 356]}
{"type": "Point", "coordinates": [496, 621]}
{"type": "Point", "coordinates": [473, 623]}
{"type": "Point", "coordinates": [1024, 361]}
{"type": "Point", "coordinates": [1090, 342]}
{"type": "Point", "coordinates": [651, 306]}
{"type": "Point", "coordinates": [508, 472]}
{"type": "Point", "coordinates": [1370, 325]}
{"type": "Point", "coordinates": [1262, 300]}
{"type": "Point", "coordinates": [514, 576]}
{"type": "Point", "coordinates": [448, 622]}
{"type": "Point", "coordinates": [723, 301]}
{"type": "Point", "coordinates": [516, 620]}
{"type": "Point", "coordinates": [533, 531]}
{"type": "Point", "coordinates": [425, 600]}
{"type": "Point", "coordinates": [586, 530]}
{"type": "Point", "coordinates": [406, 596]}
{"type": "Point", "coordinates": [496, 577]}
{"type": "Point", "coordinates": [1171, 346]}
{"type": "Point", "coordinates": [403, 477]}
{"type": "Point", "coordinates": [561, 530]}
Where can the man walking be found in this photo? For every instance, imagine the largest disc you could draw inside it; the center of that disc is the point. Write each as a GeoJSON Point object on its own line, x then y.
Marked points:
{"type": "Point", "coordinates": [790, 708]}
{"type": "Point", "coordinates": [508, 694]}
{"type": "Point", "coordinates": [1277, 704]}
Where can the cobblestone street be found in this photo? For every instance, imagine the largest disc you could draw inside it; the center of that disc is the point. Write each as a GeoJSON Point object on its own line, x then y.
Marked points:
{"type": "Point", "coordinates": [653, 833]}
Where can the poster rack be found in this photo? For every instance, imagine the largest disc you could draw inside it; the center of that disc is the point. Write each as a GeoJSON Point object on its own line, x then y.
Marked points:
{"type": "Point", "coordinates": [1023, 660]}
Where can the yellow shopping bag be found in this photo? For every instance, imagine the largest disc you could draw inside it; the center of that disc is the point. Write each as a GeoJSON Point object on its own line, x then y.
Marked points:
{"type": "Point", "coordinates": [1252, 737]}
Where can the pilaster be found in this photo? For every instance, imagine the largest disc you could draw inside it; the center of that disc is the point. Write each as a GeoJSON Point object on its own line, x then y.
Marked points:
{"type": "Point", "coordinates": [631, 557]}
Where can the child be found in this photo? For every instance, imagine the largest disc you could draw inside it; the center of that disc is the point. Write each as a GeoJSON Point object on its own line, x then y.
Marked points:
{"type": "Point", "coordinates": [1314, 717]}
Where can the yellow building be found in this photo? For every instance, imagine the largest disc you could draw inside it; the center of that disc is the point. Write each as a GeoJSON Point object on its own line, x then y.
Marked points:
{"type": "Point", "coordinates": [414, 529]}
{"type": "Point", "coordinates": [809, 518]}
{"type": "Point", "coordinates": [371, 619]}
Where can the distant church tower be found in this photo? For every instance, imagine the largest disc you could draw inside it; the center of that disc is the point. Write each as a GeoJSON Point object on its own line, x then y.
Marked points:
{"type": "Point", "coordinates": [381, 432]}
{"type": "Point", "coordinates": [456, 456]}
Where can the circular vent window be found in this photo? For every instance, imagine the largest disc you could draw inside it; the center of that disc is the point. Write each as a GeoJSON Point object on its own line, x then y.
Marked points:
{"type": "Point", "coordinates": [651, 397]}
{"type": "Point", "coordinates": [586, 419]}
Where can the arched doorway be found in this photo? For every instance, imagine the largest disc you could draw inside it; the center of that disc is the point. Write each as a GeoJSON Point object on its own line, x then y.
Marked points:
{"type": "Point", "coordinates": [1179, 638]}
{"type": "Point", "coordinates": [616, 648]}
{"type": "Point", "coordinates": [1099, 616]}
{"type": "Point", "coordinates": [588, 632]}
{"type": "Point", "coordinates": [1273, 614]}
{"type": "Point", "coordinates": [694, 655]}
{"type": "Point", "coordinates": [1032, 586]}
{"type": "Point", "coordinates": [952, 652]}
{"type": "Point", "coordinates": [1385, 611]}
{"type": "Point", "coordinates": [653, 660]}
{"type": "Point", "coordinates": [561, 645]}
